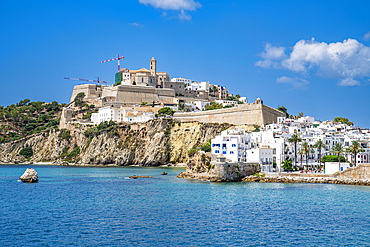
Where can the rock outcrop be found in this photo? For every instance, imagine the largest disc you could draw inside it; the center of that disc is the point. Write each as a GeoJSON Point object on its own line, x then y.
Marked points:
{"type": "Point", "coordinates": [298, 179]}
{"type": "Point", "coordinates": [153, 143]}
{"type": "Point", "coordinates": [201, 167]}
{"type": "Point", "coordinates": [29, 176]}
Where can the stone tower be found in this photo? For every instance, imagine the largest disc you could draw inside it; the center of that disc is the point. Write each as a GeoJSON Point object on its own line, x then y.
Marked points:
{"type": "Point", "coordinates": [153, 66]}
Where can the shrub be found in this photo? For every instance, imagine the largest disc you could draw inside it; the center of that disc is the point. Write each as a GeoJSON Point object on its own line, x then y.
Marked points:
{"type": "Point", "coordinates": [65, 134]}
{"type": "Point", "coordinates": [27, 152]}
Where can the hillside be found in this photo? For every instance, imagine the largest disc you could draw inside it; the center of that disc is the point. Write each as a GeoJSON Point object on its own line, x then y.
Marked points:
{"type": "Point", "coordinates": [152, 143]}
{"type": "Point", "coordinates": [26, 118]}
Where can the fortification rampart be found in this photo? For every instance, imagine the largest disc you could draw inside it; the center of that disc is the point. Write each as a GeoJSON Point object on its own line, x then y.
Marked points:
{"type": "Point", "coordinates": [250, 114]}
{"type": "Point", "coordinates": [128, 94]}
{"type": "Point", "coordinates": [361, 171]}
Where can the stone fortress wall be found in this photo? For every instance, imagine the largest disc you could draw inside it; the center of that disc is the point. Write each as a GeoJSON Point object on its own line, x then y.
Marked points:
{"type": "Point", "coordinates": [250, 114]}
{"type": "Point", "coordinates": [125, 94]}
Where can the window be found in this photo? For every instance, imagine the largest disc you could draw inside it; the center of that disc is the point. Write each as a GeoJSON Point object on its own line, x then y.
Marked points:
{"type": "Point", "coordinates": [217, 151]}
{"type": "Point", "coordinates": [233, 145]}
{"type": "Point", "coordinates": [224, 146]}
{"type": "Point", "coordinates": [213, 145]}
{"type": "Point", "coordinates": [231, 152]}
{"type": "Point", "coordinates": [223, 152]}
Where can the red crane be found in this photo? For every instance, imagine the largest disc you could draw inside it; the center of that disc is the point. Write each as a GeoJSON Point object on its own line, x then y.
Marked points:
{"type": "Point", "coordinates": [79, 79]}
{"type": "Point", "coordinates": [116, 58]}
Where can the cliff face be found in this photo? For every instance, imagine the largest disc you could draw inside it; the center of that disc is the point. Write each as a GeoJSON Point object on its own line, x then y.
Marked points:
{"type": "Point", "coordinates": [153, 143]}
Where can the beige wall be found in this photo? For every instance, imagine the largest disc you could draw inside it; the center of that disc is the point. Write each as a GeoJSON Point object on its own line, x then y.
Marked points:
{"type": "Point", "coordinates": [243, 114]}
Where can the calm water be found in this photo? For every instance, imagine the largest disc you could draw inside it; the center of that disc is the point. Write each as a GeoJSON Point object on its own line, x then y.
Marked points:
{"type": "Point", "coordinates": [85, 206]}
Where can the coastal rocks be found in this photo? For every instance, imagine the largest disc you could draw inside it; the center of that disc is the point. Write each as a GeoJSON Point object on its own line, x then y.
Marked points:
{"type": "Point", "coordinates": [201, 167]}
{"type": "Point", "coordinates": [29, 176]}
{"type": "Point", "coordinates": [299, 179]}
{"type": "Point", "coordinates": [136, 177]}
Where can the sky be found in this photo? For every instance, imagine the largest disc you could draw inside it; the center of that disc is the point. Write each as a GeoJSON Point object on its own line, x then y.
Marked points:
{"type": "Point", "coordinates": [308, 56]}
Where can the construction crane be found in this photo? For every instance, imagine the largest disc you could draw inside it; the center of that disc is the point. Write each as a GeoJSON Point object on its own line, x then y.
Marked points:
{"type": "Point", "coordinates": [116, 58]}
{"type": "Point", "coordinates": [80, 79]}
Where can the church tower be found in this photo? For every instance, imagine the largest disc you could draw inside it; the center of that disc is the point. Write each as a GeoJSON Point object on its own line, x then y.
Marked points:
{"type": "Point", "coordinates": [153, 67]}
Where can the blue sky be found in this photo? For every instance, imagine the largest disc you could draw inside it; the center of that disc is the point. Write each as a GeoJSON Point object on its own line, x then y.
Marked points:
{"type": "Point", "coordinates": [309, 56]}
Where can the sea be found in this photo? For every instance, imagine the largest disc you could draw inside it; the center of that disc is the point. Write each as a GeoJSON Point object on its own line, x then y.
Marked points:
{"type": "Point", "coordinates": [102, 206]}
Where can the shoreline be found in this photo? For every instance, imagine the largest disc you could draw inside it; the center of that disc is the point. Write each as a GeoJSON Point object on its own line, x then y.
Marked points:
{"type": "Point", "coordinates": [180, 165]}
{"type": "Point", "coordinates": [316, 180]}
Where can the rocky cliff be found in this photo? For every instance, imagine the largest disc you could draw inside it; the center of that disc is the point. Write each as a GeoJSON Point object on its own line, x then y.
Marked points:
{"type": "Point", "coordinates": [156, 142]}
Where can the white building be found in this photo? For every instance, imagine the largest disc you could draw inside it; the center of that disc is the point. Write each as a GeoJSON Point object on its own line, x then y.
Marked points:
{"type": "Point", "coordinates": [232, 144]}
{"type": "Point", "coordinates": [201, 105]}
{"type": "Point", "coordinates": [119, 115]}
{"type": "Point", "coordinates": [262, 156]}
{"type": "Point", "coordinates": [179, 79]}
{"type": "Point", "coordinates": [198, 86]}
{"type": "Point", "coordinates": [333, 167]}
{"type": "Point", "coordinates": [226, 102]}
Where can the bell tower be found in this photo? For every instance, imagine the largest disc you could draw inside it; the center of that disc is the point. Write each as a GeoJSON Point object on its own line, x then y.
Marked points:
{"type": "Point", "coordinates": [153, 66]}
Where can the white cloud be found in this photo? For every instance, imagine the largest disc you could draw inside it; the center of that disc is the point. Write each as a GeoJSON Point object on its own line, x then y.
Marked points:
{"type": "Point", "coordinates": [184, 16]}
{"type": "Point", "coordinates": [270, 56]}
{"type": "Point", "coordinates": [367, 36]}
{"type": "Point", "coordinates": [172, 4]}
{"type": "Point", "coordinates": [346, 61]}
{"type": "Point", "coordinates": [297, 83]}
{"type": "Point", "coordinates": [176, 5]}
{"type": "Point", "coordinates": [349, 82]}
{"type": "Point", "coordinates": [135, 24]}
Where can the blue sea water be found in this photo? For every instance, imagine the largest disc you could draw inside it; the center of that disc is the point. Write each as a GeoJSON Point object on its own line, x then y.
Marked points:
{"type": "Point", "coordinates": [101, 206]}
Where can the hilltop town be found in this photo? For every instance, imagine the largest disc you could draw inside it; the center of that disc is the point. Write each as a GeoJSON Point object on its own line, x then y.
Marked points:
{"type": "Point", "coordinates": [139, 95]}
{"type": "Point", "coordinates": [282, 142]}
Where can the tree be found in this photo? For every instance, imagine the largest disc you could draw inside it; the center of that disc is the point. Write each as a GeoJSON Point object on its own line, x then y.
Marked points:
{"type": "Point", "coordinates": [343, 120]}
{"type": "Point", "coordinates": [284, 110]}
{"type": "Point", "coordinates": [295, 139]}
{"type": "Point", "coordinates": [319, 145]}
{"type": "Point", "coordinates": [354, 149]}
{"type": "Point", "coordinates": [287, 165]}
{"type": "Point", "coordinates": [78, 99]}
{"type": "Point", "coordinates": [207, 147]}
{"type": "Point", "coordinates": [27, 152]}
{"type": "Point", "coordinates": [306, 151]}
{"type": "Point", "coordinates": [338, 149]}
{"type": "Point", "coordinates": [166, 111]}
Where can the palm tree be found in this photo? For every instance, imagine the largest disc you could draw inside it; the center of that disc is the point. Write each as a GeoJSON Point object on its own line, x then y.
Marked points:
{"type": "Point", "coordinates": [319, 145]}
{"type": "Point", "coordinates": [301, 152]}
{"type": "Point", "coordinates": [306, 150]}
{"type": "Point", "coordinates": [338, 149]}
{"type": "Point", "coordinates": [355, 148]}
{"type": "Point", "coordinates": [295, 139]}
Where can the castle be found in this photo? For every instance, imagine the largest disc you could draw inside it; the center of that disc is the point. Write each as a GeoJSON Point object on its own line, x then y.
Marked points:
{"type": "Point", "coordinates": [135, 87]}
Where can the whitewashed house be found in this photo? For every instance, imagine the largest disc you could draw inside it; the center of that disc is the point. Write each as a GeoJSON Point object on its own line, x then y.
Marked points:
{"type": "Point", "coordinates": [232, 144]}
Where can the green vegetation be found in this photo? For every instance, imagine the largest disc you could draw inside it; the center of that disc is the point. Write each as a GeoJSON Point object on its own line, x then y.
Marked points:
{"type": "Point", "coordinates": [207, 147]}
{"type": "Point", "coordinates": [65, 134]}
{"type": "Point", "coordinates": [215, 106]}
{"type": "Point", "coordinates": [343, 120]}
{"type": "Point", "coordinates": [79, 99]}
{"type": "Point", "coordinates": [192, 151]}
{"type": "Point", "coordinates": [295, 139]}
{"type": "Point", "coordinates": [27, 152]}
{"type": "Point", "coordinates": [95, 131]}
{"type": "Point", "coordinates": [332, 158]}
{"type": "Point", "coordinates": [26, 118]}
{"type": "Point", "coordinates": [165, 111]}
{"type": "Point", "coordinates": [354, 149]}
{"type": "Point", "coordinates": [144, 103]}
{"type": "Point", "coordinates": [256, 128]}
{"type": "Point", "coordinates": [288, 165]}
{"type": "Point", "coordinates": [284, 110]}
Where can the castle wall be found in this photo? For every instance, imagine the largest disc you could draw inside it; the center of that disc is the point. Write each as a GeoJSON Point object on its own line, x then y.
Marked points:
{"type": "Point", "coordinates": [91, 91]}
{"type": "Point", "coordinates": [243, 114]}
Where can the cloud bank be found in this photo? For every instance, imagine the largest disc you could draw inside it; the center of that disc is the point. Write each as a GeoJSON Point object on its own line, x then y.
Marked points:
{"type": "Point", "coordinates": [347, 61]}
{"type": "Point", "coordinates": [297, 83]}
{"type": "Point", "coordinates": [177, 5]}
